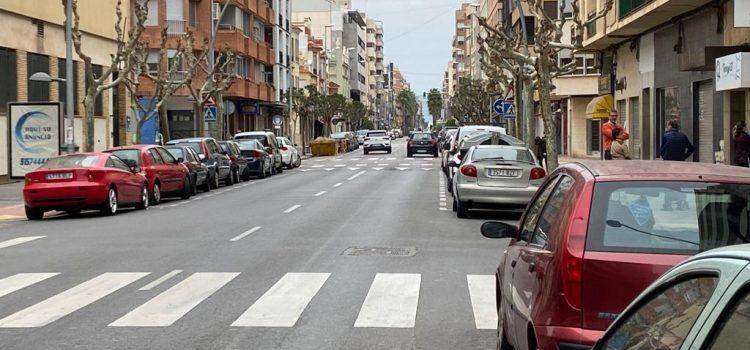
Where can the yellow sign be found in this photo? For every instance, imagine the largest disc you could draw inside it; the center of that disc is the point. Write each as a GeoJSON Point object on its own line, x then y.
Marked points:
{"type": "Point", "coordinates": [600, 107]}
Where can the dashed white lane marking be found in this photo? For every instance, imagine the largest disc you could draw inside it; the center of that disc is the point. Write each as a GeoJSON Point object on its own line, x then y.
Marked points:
{"type": "Point", "coordinates": [245, 234]}
{"type": "Point", "coordinates": [305, 170]}
{"type": "Point", "coordinates": [292, 208]}
{"type": "Point", "coordinates": [355, 159]}
{"type": "Point", "coordinates": [356, 175]}
{"type": "Point", "coordinates": [19, 240]}
{"type": "Point", "coordinates": [161, 280]}
{"type": "Point", "coordinates": [317, 166]}
{"type": "Point", "coordinates": [481, 292]}
{"type": "Point", "coordinates": [329, 169]}
{"type": "Point", "coordinates": [402, 169]}
{"type": "Point", "coordinates": [353, 169]}
{"type": "Point", "coordinates": [339, 165]}
{"type": "Point", "coordinates": [405, 164]}
{"type": "Point", "coordinates": [320, 193]}
{"type": "Point", "coordinates": [67, 302]}
{"type": "Point", "coordinates": [391, 158]}
{"type": "Point", "coordinates": [169, 306]}
{"type": "Point", "coordinates": [282, 305]}
{"type": "Point", "coordinates": [426, 169]}
{"type": "Point", "coordinates": [383, 164]}
{"type": "Point", "coordinates": [373, 158]}
{"type": "Point", "coordinates": [338, 184]}
{"type": "Point", "coordinates": [22, 280]}
{"type": "Point", "coordinates": [361, 164]}
{"type": "Point", "coordinates": [391, 301]}
{"type": "Point", "coordinates": [377, 168]}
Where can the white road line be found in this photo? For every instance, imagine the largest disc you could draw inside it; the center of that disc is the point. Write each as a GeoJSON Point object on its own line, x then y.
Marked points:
{"type": "Point", "coordinates": [169, 306]}
{"type": "Point", "coordinates": [391, 158]}
{"type": "Point", "coordinates": [356, 175]}
{"type": "Point", "coordinates": [383, 164]}
{"type": "Point", "coordinates": [245, 234]}
{"type": "Point", "coordinates": [405, 164]}
{"type": "Point", "coordinates": [19, 240]}
{"type": "Point", "coordinates": [305, 170]}
{"type": "Point", "coordinates": [317, 166]}
{"type": "Point", "coordinates": [338, 184]}
{"type": "Point", "coordinates": [482, 294]}
{"type": "Point", "coordinates": [391, 301]}
{"type": "Point", "coordinates": [329, 169]}
{"type": "Point", "coordinates": [22, 280]}
{"type": "Point", "coordinates": [378, 168]}
{"type": "Point", "coordinates": [161, 280]}
{"type": "Point", "coordinates": [320, 193]}
{"type": "Point", "coordinates": [291, 209]}
{"type": "Point", "coordinates": [373, 158]}
{"type": "Point", "coordinates": [362, 164]}
{"type": "Point", "coordinates": [282, 305]}
{"type": "Point", "coordinates": [443, 208]}
{"type": "Point", "coordinates": [339, 165]}
{"type": "Point", "coordinates": [426, 168]}
{"type": "Point", "coordinates": [355, 159]}
{"type": "Point", "coordinates": [402, 169]}
{"type": "Point", "coordinates": [65, 303]}
{"type": "Point", "coordinates": [353, 169]}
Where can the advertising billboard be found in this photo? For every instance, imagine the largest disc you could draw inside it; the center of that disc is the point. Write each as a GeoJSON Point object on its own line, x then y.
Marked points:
{"type": "Point", "coordinates": [33, 135]}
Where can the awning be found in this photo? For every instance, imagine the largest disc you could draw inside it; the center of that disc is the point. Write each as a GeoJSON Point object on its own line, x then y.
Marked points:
{"type": "Point", "coordinates": [600, 107]}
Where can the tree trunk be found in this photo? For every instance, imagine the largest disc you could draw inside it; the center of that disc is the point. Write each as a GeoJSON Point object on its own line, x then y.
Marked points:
{"type": "Point", "coordinates": [550, 129]}
{"type": "Point", "coordinates": [517, 98]}
{"type": "Point", "coordinates": [220, 119]}
{"type": "Point", "coordinates": [89, 104]}
{"type": "Point", "coordinates": [198, 118]}
{"type": "Point", "coordinates": [528, 113]}
{"type": "Point", "coordinates": [164, 123]}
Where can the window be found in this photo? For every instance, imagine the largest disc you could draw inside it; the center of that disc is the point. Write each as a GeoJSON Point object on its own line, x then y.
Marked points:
{"type": "Point", "coordinates": [731, 330]}
{"type": "Point", "coordinates": [178, 153]}
{"type": "Point", "coordinates": [550, 216]}
{"type": "Point", "coordinates": [154, 156]}
{"type": "Point", "coordinates": [594, 135]}
{"type": "Point", "coordinates": [62, 73]}
{"type": "Point", "coordinates": [37, 90]}
{"type": "Point", "coordinates": [623, 113]}
{"type": "Point", "coordinates": [74, 161]}
{"type": "Point", "coordinates": [8, 78]}
{"type": "Point", "coordinates": [114, 162]}
{"type": "Point", "coordinates": [532, 214]}
{"type": "Point", "coordinates": [166, 156]}
{"type": "Point", "coordinates": [193, 13]}
{"type": "Point", "coordinates": [530, 30]}
{"type": "Point", "coordinates": [665, 320]}
{"type": "Point", "coordinates": [130, 156]}
{"type": "Point", "coordinates": [152, 60]}
{"type": "Point", "coordinates": [153, 12]}
{"type": "Point", "coordinates": [213, 147]}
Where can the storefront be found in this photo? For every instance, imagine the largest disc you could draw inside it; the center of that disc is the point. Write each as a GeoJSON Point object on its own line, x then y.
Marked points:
{"type": "Point", "coordinates": [733, 82]}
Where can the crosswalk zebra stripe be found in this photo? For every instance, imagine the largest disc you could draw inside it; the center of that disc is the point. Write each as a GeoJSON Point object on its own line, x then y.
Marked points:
{"type": "Point", "coordinates": [482, 294]}
{"type": "Point", "coordinates": [22, 280]}
{"type": "Point", "coordinates": [282, 305]}
{"type": "Point", "coordinates": [19, 240]}
{"type": "Point", "coordinates": [391, 301]}
{"type": "Point", "coordinates": [65, 303]}
{"type": "Point", "coordinates": [169, 306]}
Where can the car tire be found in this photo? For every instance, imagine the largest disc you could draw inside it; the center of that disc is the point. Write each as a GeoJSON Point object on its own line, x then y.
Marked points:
{"type": "Point", "coordinates": [237, 178]}
{"type": "Point", "coordinates": [389, 150]}
{"type": "Point", "coordinates": [502, 340]}
{"type": "Point", "coordinates": [34, 214]}
{"type": "Point", "coordinates": [246, 174]}
{"type": "Point", "coordinates": [229, 181]}
{"type": "Point", "coordinates": [273, 170]}
{"type": "Point", "coordinates": [156, 194]}
{"type": "Point", "coordinates": [143, 204]}
{"type": "Point", "coordinates": [462, 209]}
{"type": "Point", "coordinates": [206, 187]}
{"type": "Point", "coordinates": [299, 162]}
{"type": "Point", "coordinates": [455, 205]}
{"type": "Point", "coordinates": [408, 154]}
{"type": "Point", "coordinates": [215, 180]}
{"type": "Point", "coordinates": [449, 184]}
{"type": "Point", "coordinates": [110, 205]}
{"type": "Point", "coordinates": [280, 169]}
{"type": "Point", "coordinates": [187, 188]}
{"type": "Point", "coordinates": [366, 152]}
{"type": "Point", "coordinates": [194, 185]}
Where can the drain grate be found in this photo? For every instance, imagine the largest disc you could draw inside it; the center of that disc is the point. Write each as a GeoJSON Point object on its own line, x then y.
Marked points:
{"type": "Point", "coordinates": [381, 251]}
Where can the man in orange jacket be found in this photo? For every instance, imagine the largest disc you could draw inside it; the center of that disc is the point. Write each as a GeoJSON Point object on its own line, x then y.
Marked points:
{"type": "Point", "coordinates": [607, 134]}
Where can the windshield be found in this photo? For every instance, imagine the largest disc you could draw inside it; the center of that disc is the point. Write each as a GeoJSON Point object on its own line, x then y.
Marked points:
{"type": "Point", "coordinates": [224, 146]}
{"type": "Point", "coordinates": [176, 153]}
{"type": "Point", "coordinates": [377, 134]}
{"type": "Point", "coordinates": [422, 137]}
{"type": "Point", "coordinates": [74, 161]}
{"type": "Point", "coordinates": [668, 217]}
{"type": "Point", "coordinates": [129, 156]}
{"type": "Point", "coordinates": [502, 153]}
{"type": "Point", "coordinates": [194, 145]}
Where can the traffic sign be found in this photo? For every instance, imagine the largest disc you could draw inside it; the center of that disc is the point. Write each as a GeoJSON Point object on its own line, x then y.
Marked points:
{"type": "Point", "coordinates": [466, 117]}
{"type": "Point", "coordinates": [509, 110]}
{"type": "Point", "coordinates": [277, 120]}
{"type": "Point", "coordinates": [498, 106]}
{"type": "Point", "coordinates": [209, 113]}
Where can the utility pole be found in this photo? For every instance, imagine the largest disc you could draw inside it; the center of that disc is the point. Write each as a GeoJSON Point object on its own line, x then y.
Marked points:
{"type": "Point", "coordinates": [212, 63]}
{"type": "Point", "coordinates": [69, 103]}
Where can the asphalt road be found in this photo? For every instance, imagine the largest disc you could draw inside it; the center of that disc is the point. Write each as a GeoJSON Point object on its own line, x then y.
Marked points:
{"type": "Point", "coordinates": [350, 252]}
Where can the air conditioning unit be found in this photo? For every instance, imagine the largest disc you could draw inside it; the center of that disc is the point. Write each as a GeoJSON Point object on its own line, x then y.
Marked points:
{"type": "Point", "coordinates": [216, 11]}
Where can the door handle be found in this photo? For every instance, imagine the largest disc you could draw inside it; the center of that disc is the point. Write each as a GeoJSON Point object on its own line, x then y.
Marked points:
{"type": "Point", "coordinates": [513, 263]}
{"type": "Point", "coordinates": [532, 267]}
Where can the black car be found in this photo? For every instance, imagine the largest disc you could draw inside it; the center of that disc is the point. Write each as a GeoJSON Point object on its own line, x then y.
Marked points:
{"type": "Point", "coordinates": [259, 162]}
{"type": "Point", "coordinates": [422, 143]}
{"type": "Point", "coordinates": [211, 154]}
{"type": "Point", "coordinates": [270, 144]}
{"type": "Point", "coordinates": [240, 171]}
{"type": "Point", "coordinates": [199, 174]}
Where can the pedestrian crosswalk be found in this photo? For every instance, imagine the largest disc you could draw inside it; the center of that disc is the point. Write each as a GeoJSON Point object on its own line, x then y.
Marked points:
{"type": "Point", "coordinates": [392, 300]}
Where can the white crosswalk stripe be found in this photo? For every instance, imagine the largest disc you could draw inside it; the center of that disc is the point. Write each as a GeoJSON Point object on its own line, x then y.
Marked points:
{"type": "Point", "coordinates": [19, 240]}
{"type": "Point", "coordinates": [22, 280]}
{"type": "Point", "coordinates": [391, 301]}
{"type": "Point", "coordinates": [67, 302]}
{"type": "Point", "coordinates": [282, 305]}
{"type": "Point", "coordinates": [482, 294]}
{"type": "Point", "coordinates": [169, 306]}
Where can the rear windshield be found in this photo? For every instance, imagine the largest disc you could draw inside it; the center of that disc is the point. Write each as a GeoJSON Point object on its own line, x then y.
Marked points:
{"type": "Point", "coordinates": [376, 134]}
{"type": "Point", "coordinates": [194, 145]}
{"type": "Point", "coordinates": [74, 161]}
{"type": "Point", "coordinates": [248, 145]}
{"type": "Point", "coordinates": [501, 153]}
{"type": "Point", "coordinates": [224, 147]}
{"type": "Point", "coordinates": [262, 138]}
{"type": "Point", "coordinates": [129, 156]}
{"type": "Point", "coordinates": [177, 153]}
{"type": "Point", "coordinates": [422, 137]}
{"type": "Point", "coordinates": [667, 217]}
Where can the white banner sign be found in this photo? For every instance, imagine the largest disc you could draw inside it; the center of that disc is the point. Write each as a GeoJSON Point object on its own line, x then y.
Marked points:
{"type": "Point", "coordinates": [741, 13]}
{"type": "Point", "coordinates": [33, 135]}
{"type": "Point", "coordinates": [733, 71]}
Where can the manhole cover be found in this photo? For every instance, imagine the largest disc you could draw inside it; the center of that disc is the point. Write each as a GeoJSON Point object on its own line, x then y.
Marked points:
{"type": "Point", "coordinates": [380, 251]}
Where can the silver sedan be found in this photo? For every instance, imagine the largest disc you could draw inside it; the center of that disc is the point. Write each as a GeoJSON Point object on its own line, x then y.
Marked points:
{"type": "Point", "coordinates": [496, 176]}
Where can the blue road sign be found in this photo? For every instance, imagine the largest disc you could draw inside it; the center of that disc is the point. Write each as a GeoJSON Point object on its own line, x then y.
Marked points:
{"type": "Point", "coordinates": [466, 117]}
{"type": "Point", "coordinates": [209, 113]}
{"type": "Point", "coordinates": [509, 110]}
{"type": "Point", "coordinates": [498, 106]}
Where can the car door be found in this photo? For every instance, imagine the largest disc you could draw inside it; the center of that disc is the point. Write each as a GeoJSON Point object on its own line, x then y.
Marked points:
{"type": "Point", "coordinates": [222, 160]}
{"type": "Point", "coordinates": [174, 169]}
{"type": "Point", "coordinates": [196, 164]}
{"type": "Point", "coordinates": [515, 275]}
{"type": "Point", "coordinates": [120, 177]}
{"type": "Point", "coordinates": [161, 170]}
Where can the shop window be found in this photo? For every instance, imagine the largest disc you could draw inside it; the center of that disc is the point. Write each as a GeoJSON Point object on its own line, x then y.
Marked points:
{"type": "Point", "coordinates": [594, 135]}
{"type": "Point", "coordinates": [8, 78]}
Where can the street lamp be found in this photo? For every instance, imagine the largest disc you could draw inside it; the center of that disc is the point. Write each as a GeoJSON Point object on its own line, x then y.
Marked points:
{"type": "Point", "coordinates": [45, 78]}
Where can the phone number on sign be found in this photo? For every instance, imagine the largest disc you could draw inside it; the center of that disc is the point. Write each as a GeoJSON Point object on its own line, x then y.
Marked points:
{"type": "Point", "coordinates": [32, 161]}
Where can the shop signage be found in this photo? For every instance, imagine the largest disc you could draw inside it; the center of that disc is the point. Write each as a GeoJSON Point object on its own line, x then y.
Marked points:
{"type": "Point", "coordinates": [733, 71]}
{"type": "Point", "coordinates": [741, 13]}
{"type": "Point", "coordinates": [605, 85]}
{"type": "Point", "coordinates": [248, 108]}
{"type": "Point", "coordinates": [33, 135]}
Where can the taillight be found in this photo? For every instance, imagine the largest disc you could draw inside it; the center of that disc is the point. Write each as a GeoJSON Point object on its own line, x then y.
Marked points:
{"type": "Point", "coordinates": [257, 154]}
{"type": "Point", "coordinates": [411, 143]}
{"type": "Point", "coordinates": [460, 156]}
{"type": "Point", "coordinates": [27, 180]}
{"type": "Point", "coordinates": [572, 254]}
{"type": "Point", "coordinates": [94, 176]}
{"type": "Point", "coordinates": [284, 148]}
{"type": "Point", "coordinates": [469, 170]}
{"type": "Point", "coordinates": [538, 173]}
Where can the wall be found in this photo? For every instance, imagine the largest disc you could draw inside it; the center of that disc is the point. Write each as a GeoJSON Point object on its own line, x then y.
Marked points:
{"type": "Point", "coordinates": [577, 135]}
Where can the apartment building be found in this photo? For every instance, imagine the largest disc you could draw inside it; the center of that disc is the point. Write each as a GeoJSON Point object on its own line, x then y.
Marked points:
{"type": "Point", "coordinates": [464, 43]}
{"type": "Point", "coordinates": [355, 36]}
{"type": "Point", "coordinates": [33, 40]}
{"type": "Point", "coordinates": [282, 70]}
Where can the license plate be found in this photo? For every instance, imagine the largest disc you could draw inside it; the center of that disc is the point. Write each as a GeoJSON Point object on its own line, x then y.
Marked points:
{"type": "Point", "coordinates": [421, 151]}
{"type": "Point", "coordinates": [60, 176]}
{"type": "Point", "coordinates": [503, 172]}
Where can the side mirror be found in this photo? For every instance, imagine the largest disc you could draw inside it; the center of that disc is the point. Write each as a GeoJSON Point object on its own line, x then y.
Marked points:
{"type": "Point", "coordinates": [135, 169]}
{"type": "Point", "coordinates": [180, 160]}
{"type": "Point", "coordinates": [496, 229]}
{"type": "Point", "coordinates": [202, 157]}
{"type": "Point", "coordinates": [452, 163]}
{"type": "Point", "coordinates": [268, 149]}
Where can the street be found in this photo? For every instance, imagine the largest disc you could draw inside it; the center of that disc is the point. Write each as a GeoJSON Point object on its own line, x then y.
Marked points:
{"type": "Point", "coordinates": [348, 252]}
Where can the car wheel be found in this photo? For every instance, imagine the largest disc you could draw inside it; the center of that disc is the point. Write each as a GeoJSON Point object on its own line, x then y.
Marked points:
{"type": "Point", "coordinates": [156, 194]}
{"type": "Point", "coordinates": [34, 213]}
{"type": "Point", "coordinates": [110, 205]}
{"type": "Point", "coordinates": [449, 184]}
{"type": "Point", "coordinates": [237, 178]}
{"type": "Point", "coordinates": [366, 152]}
{"type": "Point", "coordinates": [229, 181]}
{"type": "Point", "coordinates": [502, 340]}
{"type": "Point", "coordinates": [299, 162]}
{"type": "Point", "coordinates": [408, 154]}
{"type": "Point", "coordinates": [280, 169]}
{"type": "Point", "coordinates": [215, 180]}
{"type": "Point", "coordinates": [143, 204]}
{"type": "Point", "coordinates": [206, 187]}
{"type": "Point", "coordinates": [273, 170]}
{"type": "Point", "coordinates": [246, 174]}
{"type": "Point", "coordinates": [194, 186]}
{"type": "Point", "coordinates": [462, 209]}
{"type": "Point", "coordinates": [187, 188]}
{"type": "Point", "coordinates": [389, 151]}
{"type": "Point", "coordinates": [455, 205]}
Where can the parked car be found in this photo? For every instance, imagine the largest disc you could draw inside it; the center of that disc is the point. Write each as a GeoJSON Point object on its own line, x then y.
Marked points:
{"type": "Point", "coordinates": [473, 138]}
{"type": "Point", "coordinates": [240, 171]}
{"type": "Point", "coordinates": [361, 134]}
{"type": "Point", "coordinates": [596, 234]}
{"type": "Point", "coordinates": [445, 148]}
{"type": "Point", "coordinates": [259, 161]}
{"type": "Point", "coordinates": [268, 139]}
{"type": "Point", "coordinates": [702, 303]}
{"type": "Point", "coordinates": [289, 153]}
{"type": "Point", "coordinates": [166, 176]}
{"type": "Point", "coordinates": [211, 154]}
{"type": "Point", "coordinates": [377, 140]}
{"type": "Point", "coordinates": [199, 174]}
{"type": "Point", "coordinates": [422, 143]}
{"type": "Point", "coordinates": [350, 138]}
{"type": "Point", "coordinates": [80, 181]}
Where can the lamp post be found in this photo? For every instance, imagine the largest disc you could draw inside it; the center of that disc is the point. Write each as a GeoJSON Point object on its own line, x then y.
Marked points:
{"type": "Point", "coordinates": [46, 78]}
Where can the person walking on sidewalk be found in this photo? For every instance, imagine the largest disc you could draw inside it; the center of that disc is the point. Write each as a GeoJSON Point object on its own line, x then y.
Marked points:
{"type": "Point", "coordinates": [741, 144]}
{"type": "Point", "coordinates": [675, 145]}
{"type": "Point", "coordinates": [541, 150]}
{"type": "Point", "coordinates": [620, 149]}
{"type": "Point", "coordinates": [607, 128]}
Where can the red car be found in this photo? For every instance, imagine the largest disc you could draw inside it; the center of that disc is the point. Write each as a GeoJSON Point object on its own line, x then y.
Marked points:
{"type": "Point", "coordinates": [84, 181]}
{"type": "Point", "coordinates": [596, 234]}
{"type": "Point", "coordinates": [166, 175]}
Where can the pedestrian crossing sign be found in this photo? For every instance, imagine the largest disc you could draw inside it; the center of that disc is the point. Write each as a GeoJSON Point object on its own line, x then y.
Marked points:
{"type": "Point", "coordinates": [209, 113]}
{"type": "Point", "coordinates": [509, 110]}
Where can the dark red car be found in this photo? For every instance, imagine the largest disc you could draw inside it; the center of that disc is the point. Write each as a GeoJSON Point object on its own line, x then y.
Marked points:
{"type": "Point", "coordinates": [596, 234]}
{"type": "Point", "coordinates": [80, 181]}
{"type": "Point", "coordinates": [166, 175]}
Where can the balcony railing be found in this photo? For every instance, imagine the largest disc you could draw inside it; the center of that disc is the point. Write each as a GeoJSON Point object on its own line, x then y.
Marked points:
{"type": "Point", "coordinates": [176, 27]}
{"type": "Point", "coordinates": [629, 6]}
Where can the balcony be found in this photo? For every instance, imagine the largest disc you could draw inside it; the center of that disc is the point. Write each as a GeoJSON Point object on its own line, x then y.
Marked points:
{"type": "Point", "coordinates": [176, 27]}
{"type": "Point", "coordinates": [247, 89]}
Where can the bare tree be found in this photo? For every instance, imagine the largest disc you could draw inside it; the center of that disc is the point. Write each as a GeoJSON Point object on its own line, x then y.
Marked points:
{"type": "Point", "coordinates": [127, 40]}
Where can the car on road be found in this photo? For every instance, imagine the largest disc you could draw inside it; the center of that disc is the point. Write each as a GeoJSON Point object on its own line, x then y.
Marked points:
{"type": "Point", "coordinates": [199, 174]}
{"type": "Point", "coordinates": [350, 138]}
{"type": "Point", "coordinates": [269, 142]}
{"type": "Point", "coordinates": [504, 177]}
{"type": "Point", "coordinates": [211, 154]}
{"type": "Point", "coordinates": [474, 138]}
{"type": "Point", "coordinates": [166, 176]}
{"type": "Point", "coordinates": [259, 161]}
{"type": "Point", "coordinates": [422, 143]}
{"type": "Point", "coordinates": [377, 140]}
{"type": "Point", "coordinates": [597, 233]}
{"type": "Point", "coordinates": [240, 171]}
{"type": "Point", "coordinates": [289, 154]}
{"type": "Point", "coordinates": [703, 303]}
{"type": "Point", "coordinates": [361, 134]}
{"type": "Point", "coordinates": [80, 181]}
{"type": "Point", "coordinates": [445, 149]}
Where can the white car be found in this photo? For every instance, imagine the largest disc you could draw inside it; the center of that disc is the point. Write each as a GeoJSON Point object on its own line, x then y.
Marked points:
{"type": "Point", "coordinates": [361, 134]}
{"type": "Point", "coordinates": [289, 154]}
{"type": "Point", "coordinates": [377, 140]}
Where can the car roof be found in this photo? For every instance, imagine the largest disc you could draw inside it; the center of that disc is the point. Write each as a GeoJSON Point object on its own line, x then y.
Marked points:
{"type": "Point", "coordinates": [740, 251]}
{"type": "Point", "coordinates": [192, 139]}
{"type": "Point", "coordinates": [667, 169]}
{"type": "Point", "coordinates": [501, 146]}
{"type": "Point", "coordinates": [130, 147]}
{"type": "Point", "coordinates": [249, 133]}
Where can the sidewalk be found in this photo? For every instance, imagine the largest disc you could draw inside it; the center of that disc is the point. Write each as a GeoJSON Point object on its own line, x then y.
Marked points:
{"type": "Point", "coordinates": [11, 201]}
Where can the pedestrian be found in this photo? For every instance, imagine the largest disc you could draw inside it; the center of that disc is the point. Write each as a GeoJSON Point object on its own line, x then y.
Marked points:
{"type": "Point", "coordinates": [620, 149]}
{"type": "Point", "coordinates": [607, 128]}
{"type": "Point", "coordinates": [675, 145]}
{"type": "Point", "coordinates": [541, 150]}
{"type": "Point", "coordinates": [741, 144]}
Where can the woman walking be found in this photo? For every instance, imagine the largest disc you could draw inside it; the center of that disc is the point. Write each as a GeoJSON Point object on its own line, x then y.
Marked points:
{"type": "Point", "coordinates": [619, 149]}
{"type": "Point", "coordinates": [741, 144]}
